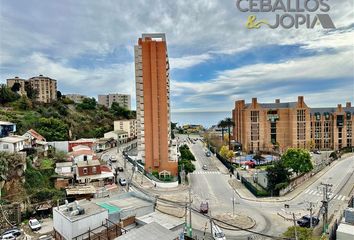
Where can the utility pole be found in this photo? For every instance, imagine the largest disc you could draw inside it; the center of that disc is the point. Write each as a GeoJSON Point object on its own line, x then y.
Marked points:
{"type": "Point", "coordinates": [325, 205]}
{"type": "Point", "coordinates": [310, 209]}
{"type": "Point", "coordinates": [296, 238]}
{"type": "Point", "coordinates": [211, 224]}
{"type": "Point", "coordinates": [190, 212]}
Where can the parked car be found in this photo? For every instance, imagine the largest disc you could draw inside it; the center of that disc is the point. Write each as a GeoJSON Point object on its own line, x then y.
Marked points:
{"type": "Point", "coordinates": [204, 207]}
{"type": "Point", "coordinates": [317, 152]}
{"type": "Point", "coordinates": [250, 163]}
{"type": "Point", "coordinates": [305, 221]}
{"type": "Point", "coordinates": [8, 236]}
{"type": "Point", "coordinates": [205, 167]}
{"type": "Point", "coordinates": [122, 181]}
{"type": "Point", "coordinates": [208, 154]}
{"type": "Point", "coordinates": [217, 233]}
{"type": "Point", "coordinates": [113, 158]}
{"type": "Point", "coordinates": [34, 224]}
{"type": "Point", "coordinates": [120, 169]}
{"type": "Point", "coordinates": [14, 231]}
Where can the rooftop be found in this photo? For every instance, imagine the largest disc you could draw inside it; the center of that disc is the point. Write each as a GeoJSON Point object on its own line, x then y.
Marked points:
{"type": "Point", "coordinates": [12, 139]}
{"type": "Point", "coordinates": [6, 123]}
{"type": "Point", "coordinates": [151, 231]}
{"type": "Point", "coordinates": [165, 220]}
{"type": "Point", "coordinates": [88, 163]}
{"type": "Point", "coordinates": [81, 190]}
{"type": "Point", "coordinates": [36, 135]}
{"type": "Point", "coordinates": [89, 207]}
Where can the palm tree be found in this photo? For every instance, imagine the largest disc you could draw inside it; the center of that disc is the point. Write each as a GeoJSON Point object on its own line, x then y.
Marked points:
{"type": "Point", "coordinates": [229, 123]}
{"type": "Point", "coordinates": [222, 125]}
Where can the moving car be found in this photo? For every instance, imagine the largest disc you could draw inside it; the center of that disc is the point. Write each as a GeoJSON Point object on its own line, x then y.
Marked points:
{"type": "Point", "coordinates": [305, 221]}
{"type": "Point", "coordinates": [122, 181]}
{"type": "Point", "coordinates": [34, 224]}
{"type": "Point", "coordinates": [204, 207]}
{"type": "Point", "coordinates": [113, 158]}
{"type": "Point", "coordinates": [217, 233]}
{"type": "Point", "coordinates": [14, 231]}
{"type": "Point", "coordinates": [205, 167]}
{"type": "Point", "coordinates": [208, 154]}
{"type": "Point", "coordinates": [120, 169]}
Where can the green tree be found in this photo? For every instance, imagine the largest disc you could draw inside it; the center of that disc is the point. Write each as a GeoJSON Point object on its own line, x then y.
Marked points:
{"type": "Point", "coordinates": [52, 129]}
{"type": "Point", "coordinates": [302, 233]}
{"type": "Point", "coordinates": [222, 125]}
{"type": "Point", "coordinates": [6, 95]}
{"type": "Point", "coordinates": [24, 103]}
{"type": "Point", "coordinates": [187, 165]}
{"type": "Point", "coordinates": [119, 111]}
{"type": "Point", "coordinates": [31, 92]}
{"type": "Point", "coordinates": [299, 160]}
{"type": "Point", "coordinates": [278, 177]}
{"type": "Point", "coordinates": [229, 123]}
{"type": "Point", "coordinates": [87, 104]}
{"type": "Point", "coordinates": [16, 87]}
{"type": "Point", "coordinates": [230, 154]}
{"type": "Point", "coordinates": [59, 95]}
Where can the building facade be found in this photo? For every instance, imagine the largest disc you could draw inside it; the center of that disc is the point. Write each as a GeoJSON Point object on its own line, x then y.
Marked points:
{"type": "Point", "coordinates": [128, 126]}
{"type": "Point", "coordinates": [11, 81]}
{"type": "Point", "coordinates": [267, 126]}
{"type": "Point", "coordinates": [46, 87]}
{"type": "Point", "coordinates": [124, 100]}
{"type": "Point", "coordinates": [155, 147]}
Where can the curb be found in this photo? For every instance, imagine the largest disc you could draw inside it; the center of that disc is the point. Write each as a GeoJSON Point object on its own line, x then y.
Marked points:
{"type": "Point", "coordinates": [288, 199]}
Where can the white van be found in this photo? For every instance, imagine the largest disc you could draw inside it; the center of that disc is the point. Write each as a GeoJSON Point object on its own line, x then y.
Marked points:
{"type": "Point", "coordinates": [217, 233]}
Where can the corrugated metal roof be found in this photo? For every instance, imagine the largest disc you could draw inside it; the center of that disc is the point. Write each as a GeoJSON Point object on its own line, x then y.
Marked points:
{"type": "Point", "coordinates": [151, 231]}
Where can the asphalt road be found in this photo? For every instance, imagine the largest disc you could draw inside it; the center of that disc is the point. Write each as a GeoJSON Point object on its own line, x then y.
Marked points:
{"type": "Point", "coordinates": [211, 185]}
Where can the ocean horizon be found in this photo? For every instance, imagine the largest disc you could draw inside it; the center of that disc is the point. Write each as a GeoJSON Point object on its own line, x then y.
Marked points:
{"type": "Point", "coordinates": [207, 119]}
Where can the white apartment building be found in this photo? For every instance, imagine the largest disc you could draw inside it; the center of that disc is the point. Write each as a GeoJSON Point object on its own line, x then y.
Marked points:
{"type": "Point", "coordinates": [124, 100]}
{"type": "Point", "coordinates": [128, 126]}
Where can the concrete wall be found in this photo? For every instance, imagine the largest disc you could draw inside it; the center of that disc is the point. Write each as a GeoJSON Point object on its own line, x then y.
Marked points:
{"type": "Point", "coordinates": [60, 145]}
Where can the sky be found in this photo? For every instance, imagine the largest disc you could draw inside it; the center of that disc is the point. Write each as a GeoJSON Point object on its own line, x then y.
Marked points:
{"type": "Point", "coordinates": [88, 46]}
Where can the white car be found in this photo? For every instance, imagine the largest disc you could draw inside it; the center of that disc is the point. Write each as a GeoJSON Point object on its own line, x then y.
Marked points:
{"type": "Point", "coordinates": [34, 224]}
{"type": "Point", "coordinates": [113, 158]}
{"type": "Point", "coordinates": [8, 236]}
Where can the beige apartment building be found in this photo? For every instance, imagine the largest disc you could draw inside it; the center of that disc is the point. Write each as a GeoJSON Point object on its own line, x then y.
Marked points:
{"type": "Point", "coordinates": [124, 100]}
{"type": "Point", "coordinates": [45, 86]}
{"type": "Point", "coordinates": [128, 126]}
{"type": "Point", "coordinates": [265, 126]}
{"type": "Point", "coordinates": [11, 81]}
{"type": "Point", "coordinates": [155, 146]}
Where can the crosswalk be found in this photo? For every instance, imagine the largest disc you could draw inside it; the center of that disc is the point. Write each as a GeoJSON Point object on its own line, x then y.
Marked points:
{"type": "Point", "coordinates": [331, 195]}
{"type": "Point", "coordinates": [205, 172]}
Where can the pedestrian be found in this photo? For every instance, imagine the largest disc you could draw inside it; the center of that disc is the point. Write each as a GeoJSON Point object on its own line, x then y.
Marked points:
{"type": "Point", "coordinates": [155, 185]}
{"type": "Point", "coordinates": [230, 175]}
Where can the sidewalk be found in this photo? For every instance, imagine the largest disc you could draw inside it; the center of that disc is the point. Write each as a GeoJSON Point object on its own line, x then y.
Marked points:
{"type": "Point", "coordinates": [245, 194]}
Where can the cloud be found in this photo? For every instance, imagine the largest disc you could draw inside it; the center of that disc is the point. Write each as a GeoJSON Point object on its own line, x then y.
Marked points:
{"type": "Point", "coordinates": [189, 61]}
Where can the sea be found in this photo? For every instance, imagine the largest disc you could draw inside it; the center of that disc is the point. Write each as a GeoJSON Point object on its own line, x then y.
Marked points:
{"type": "Point", "coordinates": [207, 119]}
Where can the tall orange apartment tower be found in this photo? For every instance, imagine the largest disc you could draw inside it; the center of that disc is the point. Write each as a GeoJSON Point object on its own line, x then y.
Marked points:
{"type": "Point", "coordinates": [155, 146]}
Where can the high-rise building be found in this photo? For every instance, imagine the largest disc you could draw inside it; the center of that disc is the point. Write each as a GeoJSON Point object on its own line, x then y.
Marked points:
{"type": "Point", "coordinates": [124, 100]}
{"type": "Point", "coordinates": [155, 146]}
{"type": "Point", "coordinates": [265, 126]}
{"type": "Point", "coordinates": [46, 87]}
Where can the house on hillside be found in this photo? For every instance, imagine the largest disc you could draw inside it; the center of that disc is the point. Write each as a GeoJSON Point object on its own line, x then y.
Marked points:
{"type": "Point", "coordinates": [81, 153]}
{"type": "Point", "coordinates": [7, 128]}
{"type": "Point", "coordinates": [12, 144]}
{"type": "Point", "coordinates": [92, 172]}
{"type": "Point", "coordinates": [37, 141]}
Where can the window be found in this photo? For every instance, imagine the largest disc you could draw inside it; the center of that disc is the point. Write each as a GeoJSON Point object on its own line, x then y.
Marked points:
{"type": "Point", "coordinates": [94, 169]}
{"type": "Point", "coordinates": [5, 146]}
{"type": "Point", "coordinates": [84, 171]}
{"type": "Point", "coordinates": [85, 158]}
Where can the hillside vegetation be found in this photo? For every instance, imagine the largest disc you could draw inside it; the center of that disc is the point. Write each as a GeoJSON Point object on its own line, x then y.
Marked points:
{"type": "Point", "coordinates": [60, 120]}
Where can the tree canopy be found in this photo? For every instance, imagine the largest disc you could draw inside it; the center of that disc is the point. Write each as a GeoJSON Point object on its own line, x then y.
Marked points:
{"type": "Point", "coordinates": [6, 95]}
{"type": "Point", "coordinates": [299, 160]}
{"type": "Point", "coordinates": [302, 233]}
{"type": "Point", "coordinates": [278, 176]}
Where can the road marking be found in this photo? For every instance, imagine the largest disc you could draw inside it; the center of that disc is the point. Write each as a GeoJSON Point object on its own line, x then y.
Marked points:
{"type": "Point", "coordinates": [204, 172]}
{"type": "Point", "coordinates": [307, 190]}
{"type": "Point", "coordinates": [342, 198]}
{"type": "Point", "coordinates": [335, 197]}
{"type": "Point", "coordinates": [312, 191]}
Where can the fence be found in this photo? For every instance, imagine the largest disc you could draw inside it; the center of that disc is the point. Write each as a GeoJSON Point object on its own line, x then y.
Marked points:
{"type": "Point", "coordinates": [258, 192]}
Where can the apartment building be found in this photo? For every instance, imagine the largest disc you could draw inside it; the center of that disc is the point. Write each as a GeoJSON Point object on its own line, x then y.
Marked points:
{"type": "Point", "coordinates": [265, 126]}
{"type": "Point", "coordinates": [11, 81]}
{"type": "Point", "coordinates": [155, 147]}
{"type": "Point", "coordinates": [46, 87]}
{"type": "Point", "coordinates": [128, 126]}
{"type": "Point", "coordinates": [124, 100]}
